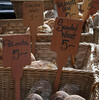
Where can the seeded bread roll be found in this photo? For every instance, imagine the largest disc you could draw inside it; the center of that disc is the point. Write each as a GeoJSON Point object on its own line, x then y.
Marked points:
{"type": "Point", "coordinates": [34, 96]}
{"type": "Point", "coordinates": [71, 89]}
{"type": "Point", "coordinates": [43, 88]}
{"type": "Point", "coordinates": [59, 95]}
{"type": "Point", "coordinates": [74, 97]}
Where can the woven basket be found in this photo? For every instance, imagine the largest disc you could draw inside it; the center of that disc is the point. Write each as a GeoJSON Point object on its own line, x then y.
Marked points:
{"type": "Point", "coordinates": [82, 79]}
{"type": "Point", "coordinates": [17, 5]}
{"type": "Point", "coordinates": [82, 59]}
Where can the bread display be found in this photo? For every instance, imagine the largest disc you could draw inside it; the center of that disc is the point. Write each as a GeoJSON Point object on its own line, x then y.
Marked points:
{"type": "Point", "coordinates": [42, 64]}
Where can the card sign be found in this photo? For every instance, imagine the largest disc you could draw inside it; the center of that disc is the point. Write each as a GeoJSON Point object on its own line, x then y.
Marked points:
{"type": "Point", "coordinates": [89, 7]}
{"type": "Point", "coordinates": [65, 42]}
{"type": "Point", "coordinates": [85, 9]}
{"type": "Point", "coordinates": [16, 54]}
{"type": "Point", "coordinates": [94, 6]}
{"type": "Point", "coordinates": [33, 13]}
{"type": "Point", "coordinates": [67, 8]}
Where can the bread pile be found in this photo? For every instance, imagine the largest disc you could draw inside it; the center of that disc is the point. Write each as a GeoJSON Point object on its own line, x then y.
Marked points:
{"type": "Point", "coordinates": [42, 90]}
{"type": "Point", "coordinates": [41, 64]}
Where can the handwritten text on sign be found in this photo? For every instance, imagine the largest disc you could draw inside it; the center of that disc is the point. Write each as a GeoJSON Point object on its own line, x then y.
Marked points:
{"type": "Point", "coordinates": [16, 50]}
{"type": "Point", "coordinates": [33, 13]}
{"type": "Point", "coordinates": [67, 8]}
{"type": "Point", "coordinates": [66, 35]}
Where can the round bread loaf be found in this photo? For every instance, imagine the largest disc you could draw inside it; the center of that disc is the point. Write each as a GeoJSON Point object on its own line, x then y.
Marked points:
{"type": "Point", "coordinates": [59, 95]}
{"type": "Point", "coordinates": [43, 88]}
{"type": "Point", "coordinates": [74, 97]}
{"type": "Point", "coordinates": [71, 89]}
{"type": "Point", "coordinates": [34, 96]}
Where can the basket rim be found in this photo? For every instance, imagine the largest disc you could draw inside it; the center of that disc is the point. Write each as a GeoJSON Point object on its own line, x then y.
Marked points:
{"type": "Point", "coordinates": [48, 69]}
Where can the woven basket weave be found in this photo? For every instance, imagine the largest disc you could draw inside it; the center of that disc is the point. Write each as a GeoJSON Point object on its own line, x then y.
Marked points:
{"type": "Point", "coordinates": [83, 79]}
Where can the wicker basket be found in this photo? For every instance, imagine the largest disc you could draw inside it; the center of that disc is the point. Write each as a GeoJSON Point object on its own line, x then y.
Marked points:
{"type": "Point", "coordinates": [83, 58]}
{"type": "Point", "coordinates": [17, 5]}
{"type": "Point", "coordinates": [82, 79]}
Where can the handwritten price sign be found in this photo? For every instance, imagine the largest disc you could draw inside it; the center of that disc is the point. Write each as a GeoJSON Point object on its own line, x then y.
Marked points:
{"type": "Point", "coordinates": [16, 54]}
{"type": "Point", "coordinates": [94, 6]}
{"type": "Point", "coordinates": [65, 42]}
{"type": "Point", "coordinates": [16, 49]}
{"type": "Point", "coordinates": [66, 36]}
{"type": "Point", "coordinates": [33, 13]}
{"type": "Point", "coordinates": [67, 8]}
{"type": "Point", "coordinates": [89, 7]}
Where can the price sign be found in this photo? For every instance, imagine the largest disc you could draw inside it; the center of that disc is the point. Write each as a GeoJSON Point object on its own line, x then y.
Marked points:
{"type": "Point", "coordinates": [16, 54]}
{"type": "Point", "coordinates": [94, 6]}
{"type": "Point", "coordinates": [65, 42]}
{"type": "Point", "coordinates": [85, 8]}
{"type": "Point", "coordinates": [33, 13]}
{"type": "Point", "coordinates": [66, 36]}
{"type": "Point", "coordinates": [67, 8]}
{"type": "Point", "coordinates": [89, 7]}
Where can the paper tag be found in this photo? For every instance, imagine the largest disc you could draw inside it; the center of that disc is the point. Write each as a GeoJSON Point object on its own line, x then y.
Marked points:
{"type": "Point", "coordinates": [67, 8]}
{"type": "Point", "coordinates": [66, 36]}
{"type": "Point", "coordinates": [33, 13]}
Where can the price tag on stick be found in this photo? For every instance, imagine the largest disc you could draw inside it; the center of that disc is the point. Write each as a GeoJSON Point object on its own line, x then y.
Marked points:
{"type": "Point", "coordinates": [33, 17]}
{"type": "Point", "coordinates": [16, 54]}
{"type": "Point", "coordinates": [85, 8]}
{"type": "Point", "coordinates": [67, 8]}
{"type": "Point", "coordinates": [89, 7]}
{"type": "Point", "coordinates": [65, 42]}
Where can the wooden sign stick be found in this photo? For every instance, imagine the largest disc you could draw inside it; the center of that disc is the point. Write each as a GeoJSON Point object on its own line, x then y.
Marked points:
{"type": "Point", "coordinates": [73, 61]}
{"type": "Point", "coordinates": [33, 33]}
{"type": "Point", "coordinates": [61, 61]}
{"type": "Point", "coordinates": [17, 76]}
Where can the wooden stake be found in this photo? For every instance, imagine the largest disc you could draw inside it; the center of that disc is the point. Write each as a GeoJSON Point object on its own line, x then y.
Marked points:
{"type": "Point", "coordinates": [61, 61]}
